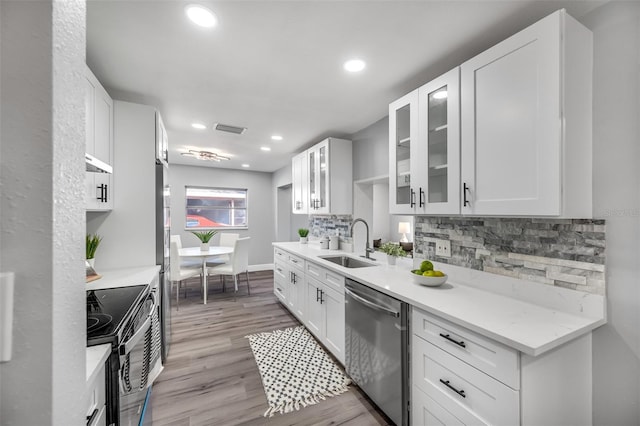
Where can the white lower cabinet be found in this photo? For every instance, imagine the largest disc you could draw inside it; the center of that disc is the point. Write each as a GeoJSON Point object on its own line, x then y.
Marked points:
{"type": "Point", "coordinates": [314, 295]}
{"type": "Point", "coordinates": [96, 400]}
{"type": "Point", "coordinates": [460, 377]}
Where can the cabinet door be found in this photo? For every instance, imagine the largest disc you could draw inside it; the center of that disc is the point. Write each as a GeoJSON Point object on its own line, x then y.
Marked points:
{"type": "Point", "coordinates": [426, 412]}
{"type": "Point", "coordinates": [313, 319]}
{"type": "Point", "coordinates": [294, 280]}
{"type": "Point", "coordinates": [403, 143]}
{"type": "Point", "coordinates": [440, 131]}
{"type": "Point", "coordinates": [333, 321]}
{"type": "Point", "coordinates": [300, 179]}
{"type": "Point", "coordinates": [300, 288]}
{"type": "Point", "coordinates": [318, 161]}
{"type": "Point", "coordinates": [511, 125]}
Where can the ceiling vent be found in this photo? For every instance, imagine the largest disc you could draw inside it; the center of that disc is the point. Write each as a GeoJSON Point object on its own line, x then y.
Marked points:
{"type": "Point", "coordinates": [230, 129]}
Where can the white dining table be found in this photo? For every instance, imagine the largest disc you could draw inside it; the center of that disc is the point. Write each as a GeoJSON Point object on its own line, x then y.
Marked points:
{"type": "Point", "coordinates": [197, 252]}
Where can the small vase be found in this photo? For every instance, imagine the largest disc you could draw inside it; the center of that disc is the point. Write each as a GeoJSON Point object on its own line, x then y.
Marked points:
{"type": "Point", "coordinates": [391, 260]}
{"type": "Point", "coordinates": [303, 240]}
{"type": "Point", "coordinates": [92, 262]}
{"type": "Point", "coordinates": [204, 246]}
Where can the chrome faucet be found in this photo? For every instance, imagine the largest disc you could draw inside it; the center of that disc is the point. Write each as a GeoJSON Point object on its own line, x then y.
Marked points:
{"type": "Point", "coordinates": [367, 248]}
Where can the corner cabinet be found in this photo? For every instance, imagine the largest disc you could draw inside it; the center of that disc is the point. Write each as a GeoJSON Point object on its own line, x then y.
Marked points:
{"type": "Point", "coordinates": [99, 143]}
{"type": "Point", "coordinates": [319, 185]}
{"type": "Point", "coordinates": [526, 123]}
{"type": "Point", "coordinates": [508, 133]}
{"type": "Point", "coordinates": [424, 149]}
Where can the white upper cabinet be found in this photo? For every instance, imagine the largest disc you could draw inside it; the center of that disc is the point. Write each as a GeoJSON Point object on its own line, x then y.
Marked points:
{"type": "Point", "coordinates": [329, 178]}
{"type": "Point", "coordinates": [99, 143]}
{"type": "Point", "coordinates": [403, 144]}
{"type": "Point", "coordinates": [424, 149]}
{"type": "Point", "coordinates": [526, 123]}
{"type": "Point", "coordinates": [300, 185]}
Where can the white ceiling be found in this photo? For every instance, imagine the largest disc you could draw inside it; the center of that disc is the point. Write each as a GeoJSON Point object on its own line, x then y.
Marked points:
{"type": "Point", "coordinates": [275, 67]}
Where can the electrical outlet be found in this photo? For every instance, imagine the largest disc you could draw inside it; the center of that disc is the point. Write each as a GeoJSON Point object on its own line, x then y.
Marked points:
{"type": "Point", "coordinates": [443, 248]}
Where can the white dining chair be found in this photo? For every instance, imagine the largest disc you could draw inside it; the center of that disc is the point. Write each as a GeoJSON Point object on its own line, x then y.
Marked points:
{"type": "Point", "coordinates": [177, 273]}
{"type": "Point", "coordinates": [185, 263]}
{"type": "Point", "coordinates": [227, 239]}
{"type": "Point", "coordinates": [238, 264]}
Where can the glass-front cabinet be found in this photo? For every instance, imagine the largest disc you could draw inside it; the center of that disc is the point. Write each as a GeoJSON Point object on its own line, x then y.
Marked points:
{"type": "Point", "coordinates": [424, 149]}
{"type": "Point", "coordinates": [440, 155]}
{"type": "Point", "coordinates": [403, 144]}
{"type": "Point", "coordinates": [317, 157]}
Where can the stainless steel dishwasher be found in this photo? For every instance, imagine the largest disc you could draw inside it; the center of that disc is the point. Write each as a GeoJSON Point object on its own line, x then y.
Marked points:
{"type": "Point", "coordinates": [376, 348]}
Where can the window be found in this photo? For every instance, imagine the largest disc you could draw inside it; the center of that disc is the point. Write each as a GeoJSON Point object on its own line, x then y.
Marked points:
{"type": "Point", "coordinates": [208, 208]}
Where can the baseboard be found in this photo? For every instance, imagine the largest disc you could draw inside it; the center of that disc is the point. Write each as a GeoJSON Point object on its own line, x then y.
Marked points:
{"type": "Point", "coordinates": [263, 267]}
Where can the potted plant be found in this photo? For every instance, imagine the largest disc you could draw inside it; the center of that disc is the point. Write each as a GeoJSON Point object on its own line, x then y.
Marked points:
{"type": "Point", "coordinates": [393, 251]}
{"type": "Point", "coordinates": [303, 233]}
{"type": "Point", "coordinates": [204, 237]}
{"type": "Point", "coordinates": [93, 241]}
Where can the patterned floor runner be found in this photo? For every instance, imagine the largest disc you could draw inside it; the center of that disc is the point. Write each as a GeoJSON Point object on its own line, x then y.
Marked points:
{"type": "Point", "coordinates": [295, 370]}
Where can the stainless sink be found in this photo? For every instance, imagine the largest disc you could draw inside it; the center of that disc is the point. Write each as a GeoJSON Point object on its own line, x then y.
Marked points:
{"type": "Point", "coordinates": [347, 261]}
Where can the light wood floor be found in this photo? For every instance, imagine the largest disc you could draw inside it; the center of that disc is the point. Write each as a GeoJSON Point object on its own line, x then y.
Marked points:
{"type": "Point", "coordinates": [211, 377]}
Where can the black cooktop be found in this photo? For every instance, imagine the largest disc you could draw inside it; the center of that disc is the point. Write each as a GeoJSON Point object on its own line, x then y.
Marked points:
{"type": "Point", "coordinates": [107, 311]}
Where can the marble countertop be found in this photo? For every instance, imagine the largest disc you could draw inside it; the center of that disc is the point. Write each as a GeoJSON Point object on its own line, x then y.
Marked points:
{"type": "Point", "coordinates": [530, 317]}
{"type": "Point", "coordinates": [125, 277]}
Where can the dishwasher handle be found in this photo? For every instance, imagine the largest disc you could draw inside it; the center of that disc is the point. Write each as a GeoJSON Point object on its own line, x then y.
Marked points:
{"type": "Point", "coordinates": [372, 305]}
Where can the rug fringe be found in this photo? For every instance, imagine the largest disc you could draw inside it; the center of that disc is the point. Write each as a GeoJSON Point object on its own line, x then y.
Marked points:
{"type": "Point", "coordinates": [291, 406]}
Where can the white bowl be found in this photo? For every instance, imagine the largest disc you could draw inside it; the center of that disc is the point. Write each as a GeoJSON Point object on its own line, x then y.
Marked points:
{"type": "Point", "coordinates": [428, 281]}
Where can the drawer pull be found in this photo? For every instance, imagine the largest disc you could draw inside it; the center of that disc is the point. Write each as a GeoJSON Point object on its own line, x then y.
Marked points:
{"type": "Point", "coordinates": [459, 392]}
{"type": "Point", "coordinates": [446, 336]}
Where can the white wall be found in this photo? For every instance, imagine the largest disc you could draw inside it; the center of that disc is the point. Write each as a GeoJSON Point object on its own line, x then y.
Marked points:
{"type": "Point", "coordinates": [371, 150]}
{"type": "Point", "coordinates": [261, 204]}
{"type": "Point", "coordinates": [42, 209]}
{"type": "Point", "coordinates": [616, 196]}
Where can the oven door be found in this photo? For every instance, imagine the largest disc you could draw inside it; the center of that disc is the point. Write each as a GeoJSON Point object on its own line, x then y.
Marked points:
{"type": "Point", "coordinates": [135, 356]}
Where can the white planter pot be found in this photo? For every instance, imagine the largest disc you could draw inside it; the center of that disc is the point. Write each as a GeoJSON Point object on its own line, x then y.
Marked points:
{"type": "Point", "coordinates": [304, 240]}
{"type": "Point", "coordinates": [391, 260]}
{"type": "Point", "coordinates": [92, 262]}
{"type": "Point", "coordinates": [204, 246]}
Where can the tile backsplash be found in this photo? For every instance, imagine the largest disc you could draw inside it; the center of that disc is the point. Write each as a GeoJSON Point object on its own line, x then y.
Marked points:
{"type": "Point", "coordinates": [567, 253]}
{"type": "Point", "coordinates": [320, 226]}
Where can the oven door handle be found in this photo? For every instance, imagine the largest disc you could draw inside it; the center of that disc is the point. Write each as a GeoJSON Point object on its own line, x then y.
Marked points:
{"type": "Point", "coordinates": [371, 304]}
{"type": "Point", "coordinates": [128, 346]}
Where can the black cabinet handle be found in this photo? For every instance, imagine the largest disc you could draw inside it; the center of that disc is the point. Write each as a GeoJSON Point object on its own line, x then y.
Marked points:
{"type": "Point", "coordinates": [465, 188]}
{"type": "Point", "coordinates": [459, 392]}
{"type": "Point", "coordinates": [317, 294]}
{"type": "Point", "coordinates": [321, 294]}
{"type": "Point", "coordinates": [446, 336]}
{"type": "Point", "coordinates": [421, 198]}
{"type": "Point", "coordinates": [103, 193]}
{"type": "Point", "coordinates": [412, 199]}
{"type": "Point", "coordinates": [106, 193]}
{"type": "Point", "coordinates": [91, 418]}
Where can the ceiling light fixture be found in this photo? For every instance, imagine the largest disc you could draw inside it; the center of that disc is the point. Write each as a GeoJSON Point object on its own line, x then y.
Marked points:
{"type": "Point", "coordinates": [442, 94]}
{"type": "Point", "coordinates": [204, 155]}
{"type": "Point", "coordinates": [201, 16]}
{"type": "Point", "coordinates": [276, 137]}
{"type": "Point", "coordinates": [245, 165]}
{"type": "Point", "coordinates": [265, 148]}
{"type": "Point", "coordinates": [354, 65]}
{"type": "Point", "coordinates": [198, 126]}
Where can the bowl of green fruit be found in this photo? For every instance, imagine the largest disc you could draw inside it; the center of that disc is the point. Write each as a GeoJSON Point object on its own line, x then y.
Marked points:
{"type": "Point", "coordinates": [427, 276]}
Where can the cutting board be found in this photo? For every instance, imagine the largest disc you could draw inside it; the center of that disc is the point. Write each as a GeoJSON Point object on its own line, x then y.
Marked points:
{"type": "Point", "coordinates": [93, 277]}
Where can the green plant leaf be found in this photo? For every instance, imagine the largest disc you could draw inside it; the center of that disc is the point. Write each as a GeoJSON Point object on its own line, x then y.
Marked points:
{"type": "Point", "coordinates": [204, 236]}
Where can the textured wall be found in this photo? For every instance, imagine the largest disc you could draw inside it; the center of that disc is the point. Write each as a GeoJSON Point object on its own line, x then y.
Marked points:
{"type": "Point", "coordinates": [563, 252]}
{"type": "Point", "coordinates": [319, 226]}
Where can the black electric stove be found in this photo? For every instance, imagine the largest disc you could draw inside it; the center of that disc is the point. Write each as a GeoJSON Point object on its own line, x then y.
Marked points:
{"type": "Point", "coordinates": [108, 311]}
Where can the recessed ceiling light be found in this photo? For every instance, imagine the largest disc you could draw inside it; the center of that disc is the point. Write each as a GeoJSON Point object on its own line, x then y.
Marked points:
{"type": "Point", "coordinates": [354, 65]}
{"type": "Point", "coordinates": [198, 126]}
{"type": "Point", "coordinates": [245, 165]}
{"type": "Point", "coordinates": [201, 16]}
{"type": "Point", "coordinates": [442, 94]}
{"type": "Point", "coordinates": [276, 137]}
{"type": "Point", "coordinates": [265, 148]}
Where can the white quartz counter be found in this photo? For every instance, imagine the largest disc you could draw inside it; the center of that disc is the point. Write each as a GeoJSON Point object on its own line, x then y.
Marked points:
{"type": "Point", "coordinates": [125, 277]}
{"type": "Point", "coordinates": [530, 317]}
{"type": "Point", "coordinates": [96, 357]}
